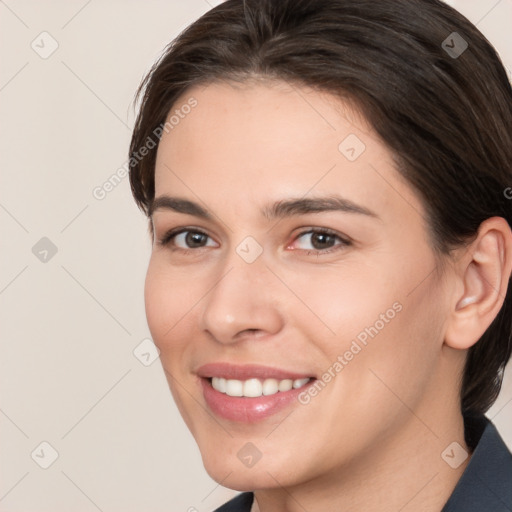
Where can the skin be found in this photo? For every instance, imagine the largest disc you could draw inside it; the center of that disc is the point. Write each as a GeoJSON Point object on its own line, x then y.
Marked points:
{"type": "Point", "coordinates": [372, 438]}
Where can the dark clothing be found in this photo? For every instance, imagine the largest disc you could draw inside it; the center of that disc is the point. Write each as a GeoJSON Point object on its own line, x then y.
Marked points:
{"type": "Point", "coordinates": [240, 503]}
{"type": "Point", "coordinates": [485, 485]}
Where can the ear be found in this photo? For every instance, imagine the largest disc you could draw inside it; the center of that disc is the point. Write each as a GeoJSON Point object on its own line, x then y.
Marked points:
{"type": "Point", "coordinates": [483, 274]}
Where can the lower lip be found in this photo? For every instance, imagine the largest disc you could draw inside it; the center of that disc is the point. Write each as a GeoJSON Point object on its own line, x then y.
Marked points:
{"type": "Point", "coordinates": [245, 409]}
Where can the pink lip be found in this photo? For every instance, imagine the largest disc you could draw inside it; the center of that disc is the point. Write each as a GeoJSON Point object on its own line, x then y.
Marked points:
{"type": "Point", "coordinates": [248, 371]}
{"type": "Point", "coordinates": [245, 409]}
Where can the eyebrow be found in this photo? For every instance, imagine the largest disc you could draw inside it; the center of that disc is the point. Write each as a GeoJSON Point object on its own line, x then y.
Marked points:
{"type": "Point", "coordinates": [277, 210]}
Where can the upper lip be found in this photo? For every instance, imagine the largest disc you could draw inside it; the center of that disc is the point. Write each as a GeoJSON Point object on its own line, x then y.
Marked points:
{"type": "Point", "coordinates": [247, 371]}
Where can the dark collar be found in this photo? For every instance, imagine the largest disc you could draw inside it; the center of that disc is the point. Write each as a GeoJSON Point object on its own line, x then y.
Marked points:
{"type": "Point", "coordinates": [486, 484]}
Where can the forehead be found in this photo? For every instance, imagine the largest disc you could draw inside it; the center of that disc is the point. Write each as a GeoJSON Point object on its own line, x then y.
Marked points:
{"type": "Point", "coordinates": [258, 141]}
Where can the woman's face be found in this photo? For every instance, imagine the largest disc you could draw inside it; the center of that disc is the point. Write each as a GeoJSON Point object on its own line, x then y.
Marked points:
{"type": "Point", "coordinates": [300, 254]}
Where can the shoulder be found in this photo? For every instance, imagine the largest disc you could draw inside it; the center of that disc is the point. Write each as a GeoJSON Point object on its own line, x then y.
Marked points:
{"type": "Point", "coordinates": [240, 503]}
{"type": "Point", "coordinates": [486, 483]}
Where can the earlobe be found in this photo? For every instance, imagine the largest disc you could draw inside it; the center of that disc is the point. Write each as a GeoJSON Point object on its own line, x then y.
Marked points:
{"type": "Point", "coordinates": [483, 273]}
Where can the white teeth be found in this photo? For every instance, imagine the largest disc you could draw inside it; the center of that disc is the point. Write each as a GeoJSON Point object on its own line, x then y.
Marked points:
{"type": "Point", "coordinates": [286, 385]}
{"type": "Point", "coordinates": [234, 387]}
{"type": "Point", "coordinates": [219, 384]}
{"type": "Point", "coordinates": [270, 386]}
{"type": "Point", "coordinates": [254, 388]}
{"type": "Point", "coordinates": [298, 383]}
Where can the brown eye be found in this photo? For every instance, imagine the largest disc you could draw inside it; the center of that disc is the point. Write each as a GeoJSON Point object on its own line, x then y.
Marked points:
{"type": "Point", "coordinates": [187, 239]}
{"type": "Point", "coordinates": [319, 241]}
{"type": "Point", "coordinates": [322, 240]}
{"type": "Point", "coordinates": [195, 239]}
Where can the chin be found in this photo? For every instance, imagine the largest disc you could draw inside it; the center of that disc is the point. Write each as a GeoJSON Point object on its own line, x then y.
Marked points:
{"type": "Point", "coordinates": [230, 472]}
{"type": "Point", "coordinates": [245, 480]}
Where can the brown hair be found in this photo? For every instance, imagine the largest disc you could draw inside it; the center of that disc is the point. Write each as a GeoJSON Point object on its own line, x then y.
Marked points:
{"type": "Point", "coordinates": [444, 110]}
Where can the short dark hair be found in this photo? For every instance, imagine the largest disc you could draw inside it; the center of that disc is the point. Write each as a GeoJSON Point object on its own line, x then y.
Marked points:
{"type": "Point", "coordinates": [443, 110]}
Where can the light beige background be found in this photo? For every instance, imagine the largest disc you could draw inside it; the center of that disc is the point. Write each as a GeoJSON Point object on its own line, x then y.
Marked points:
{"type": "Point", "coordinates": [70, 324]}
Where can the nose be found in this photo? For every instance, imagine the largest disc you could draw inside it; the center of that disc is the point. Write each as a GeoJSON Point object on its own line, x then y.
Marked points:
{"type": "Point", "coordinates": [243, 302]}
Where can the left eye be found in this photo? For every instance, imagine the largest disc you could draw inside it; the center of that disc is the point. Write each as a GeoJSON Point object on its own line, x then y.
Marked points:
{"type": "Point", "coordinates": [318, 241]}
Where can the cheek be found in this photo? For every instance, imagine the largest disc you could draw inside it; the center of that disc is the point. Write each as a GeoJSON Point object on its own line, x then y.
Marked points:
{"type": "Point", "coordinates": [338, 304]}
{"type": "Point", "coordinates": [402, 345]}
{"type": "Point", "coordinates": [371, 316]}
{"type": "Point", "coordinates": [169, 306]}
{"type": "Point", "coordinates": [169, 301]}
{"type": "Point", "coordinates": [159, 304]}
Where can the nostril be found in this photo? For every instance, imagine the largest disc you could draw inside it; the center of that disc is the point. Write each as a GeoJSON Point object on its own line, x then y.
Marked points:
{"type": "Point", "coordinates": [253, 333]}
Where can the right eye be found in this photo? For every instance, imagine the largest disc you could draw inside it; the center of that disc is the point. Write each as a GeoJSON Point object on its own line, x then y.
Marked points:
{"type": "Point", "coordinates": [186, 239]}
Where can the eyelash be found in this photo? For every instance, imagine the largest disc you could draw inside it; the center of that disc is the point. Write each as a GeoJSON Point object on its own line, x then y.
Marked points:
{"type": "Point", "coordinates": [167, 239]}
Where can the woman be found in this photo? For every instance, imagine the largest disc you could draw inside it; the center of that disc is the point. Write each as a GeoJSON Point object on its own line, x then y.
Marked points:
{"type": "Point", "coordinates": [332, 251]}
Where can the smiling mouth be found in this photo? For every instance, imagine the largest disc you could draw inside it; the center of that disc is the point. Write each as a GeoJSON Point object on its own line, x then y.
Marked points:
{"type": "Point", "coordinates": [250, 393]}
{"type": "Point", "coordinates": [254, 388]}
